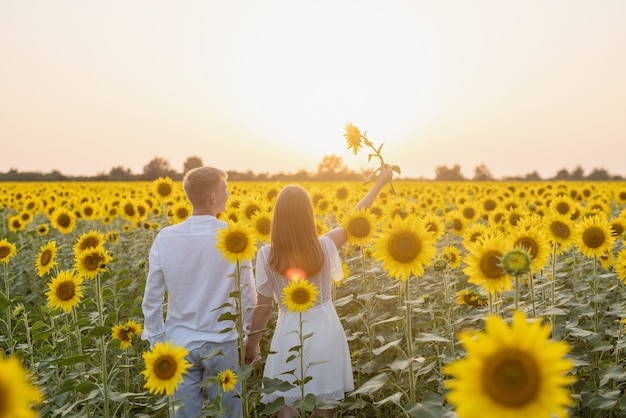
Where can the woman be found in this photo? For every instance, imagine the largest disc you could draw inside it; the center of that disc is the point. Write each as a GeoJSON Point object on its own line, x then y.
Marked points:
{"type": "Point", "coordinates": [295, 245]}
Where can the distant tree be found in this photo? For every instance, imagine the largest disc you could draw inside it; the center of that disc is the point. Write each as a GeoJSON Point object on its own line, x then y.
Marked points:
{"type": "Point", "coordinates": [191, 163]}
{"type": "Point", "coordinates": [562, 174]}
{"type": "Point", "coordinates": [158, 167]}
{"type": "Point", "coordinates": [534, 176]}
{"type": "Point", "coordinates": [578, 174]}
{"type": "Point", "coordinates": [120, 173]}
{"type": "Point", "coordinates": [331, 167]}
{"type": "Point", "coordinates": [443, 173]}
{"type": "Point", "coordinates": [482, 173]}
{"type": "Point", "coordinates": [599, 174]}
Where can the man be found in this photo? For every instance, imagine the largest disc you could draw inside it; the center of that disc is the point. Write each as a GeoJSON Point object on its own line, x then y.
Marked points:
{"type": "Point", "coordinates": [185, 263]}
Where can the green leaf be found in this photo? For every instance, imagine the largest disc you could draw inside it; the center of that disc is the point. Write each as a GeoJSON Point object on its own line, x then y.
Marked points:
{"type": "Point", "coordinates": [387, 346]}
{"type": "Point", "coordinates": [306, 404]}
{"type": "Point", "coordinates": [616, 373]}
{"type": "Point", "coordinates": [425, 337]}
{"type": "Point", "coordinates": [371, 385]}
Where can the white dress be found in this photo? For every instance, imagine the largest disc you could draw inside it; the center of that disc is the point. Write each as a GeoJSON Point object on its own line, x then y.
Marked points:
{"type": "Point", "coordinates": [326, 352]}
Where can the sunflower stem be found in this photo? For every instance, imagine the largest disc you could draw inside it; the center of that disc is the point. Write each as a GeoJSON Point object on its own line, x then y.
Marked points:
{"type": "Point", "coordinates": [553, 287]}
{"type": "Point", "coordinates": [409, 341]}
{"type": "Point", "coordinates": [531, 285]}
{"type": "Point", "coordinates": [516, 295]}
{"type": "Point", "coordinates": [301, 352]}
{"type": "Point", "coordinates": [8, 310]}
{"type": "Point", "coordinates": [103, 354]}
{"type": "Point", "coordinates": [240, 336]}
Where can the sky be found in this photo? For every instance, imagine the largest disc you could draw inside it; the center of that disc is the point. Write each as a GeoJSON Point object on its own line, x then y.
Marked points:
{"type": "Point", "coordinates": [268, 86]}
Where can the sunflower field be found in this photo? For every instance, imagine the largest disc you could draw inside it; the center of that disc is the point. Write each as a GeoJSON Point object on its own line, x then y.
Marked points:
{"type": "Point", "coordinates": [458, 299]}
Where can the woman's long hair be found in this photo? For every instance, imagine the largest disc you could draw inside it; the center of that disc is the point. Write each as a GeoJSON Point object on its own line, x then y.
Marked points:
{"type": "Point", "coordinates": [293, 237]}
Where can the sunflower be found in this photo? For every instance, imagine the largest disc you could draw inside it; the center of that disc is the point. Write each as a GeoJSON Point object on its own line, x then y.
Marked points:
{"type": "Point", "coordinates": [7, 251]}
{"type": "Point", "coordinates": [63, 220]}
{"type": "Point", "coordinates": [165, 366]}
{"type": "Point", "coordinates": [65, 290]}
{"type": "Point", "coordinates": [128, 210]}
{"type": "Point", "coordinates": [594, 236]}
{"type": "Point", "coordinates": [249, 207]}
{"type": "Point", "coordinates": [434, 223]}
{"type": "Point", "coordinates": [180, 212]}
{"type": "Point", "coordinates": [474, 232]}
{"type": "Point", "coordinates": [262, 223]}
{"type": "Point", "coordinates": [455, 222]}
{"type": "Point", "coordinates": [620, 265]}
{"type": "Point", "coordinates": [89, 211]}
{"type": "Point", "coordinates": [516, 261]}
{"type": "Point", "coordinates": [607, 260]}
{"type": "Point", "coordinates": [228, 379]}
{"type": "Point", "coordinates": [533, 240]}
{"type": "Point", "coordinates": [91, 261]}
{"type": "Point", "coordinates": [353, 137]}
{"type": "Point", "coordinates": [126, 332]}
{"type": "Point", "coordinates": [91, 239]}
{"type": "Point", "coordinates": [46, 258]}
{"type": "Point", "coordinates": [512, 371]}
{"type": "Point", "coordinates": [163, 188]}
{"type": "Point", "coordinates": [43, 229]}
{"type": "Point", "coordinates": [405, 248]}
{"type": "Point", "coordinates": [452, 255]}
{"type": "Point", "coordinates": [359, 225]}
{"type": "Point", "coordinates": [18, 394]}
{"type": "Point", "coordinates": [346, 274]}
{"type": "Point", "coordinates": [471, 297]}
{"type": "Point", "coordinates": [483, 264]}
{"type": "Point", "coordinates": [236, 242]}
{"type": "Point", "coordinates": [299, 295]}
{"type": "Point", "coordinates": [564, 205]}
{"type": "Point", "coordinates": [559, 230]}
{"type": "Point", "coordinates": [469, 211]}
{"type": "Point", "coordinates": [15, 223]}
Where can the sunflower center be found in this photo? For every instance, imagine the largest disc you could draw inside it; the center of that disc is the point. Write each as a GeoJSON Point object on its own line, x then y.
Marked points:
{"type": "Point", "coordinates": [65, 290]}
{"type": "Point", "coordinates": [4, 252]}
{"type": "Point", "coordinates": [45, 258]}
{"type": "Point", "coordinates": [165, 367]}
{"type": "Point", "coordinates": [404, 247]}
{"type": "Point", "coordinates": [251, 209]}
{"type": "Point", "coordinates": [182, 213]}
{"type": "Point", "coordinates": [431, 227]}
{"type": "Point", "coordinates": [300, 296]}
{"type": "Point", "coordinates": [92, 262]}
{"type": "Point", "coordinates": [489, 205]}
{"type": "Point", "coordinates": [164, 189]}
{"type": "Point", "coordinates": [359, 227]}
{"type": "Point", "coordinates": [457, 225]}
{"type": "Point", "coordinates": [511, 378]}
{"type": "Point", "coordinates": [469, 213]}
{"type": "Point", "coordinates": [264, 225]}
{"type": "Point", "coordinates": [560, 230]}
{"type": "Point", "coordinates": [90, 242]}
{"type": "Point", "coordinates": [617, 230]}
{"type": "Point", "coordinates": [129, 209]}
{"type": "Point", "coordinates": [562, 208]}
{"type": "Point", "coordinates": [529, 245]}
{"type": "Point", "coordinates": [490, 265]}
{"type": "Point", "coordinates": [593, 237]}
{"type": "Point", "coordinates": [237, 242]}
{"type": "Point", "coordinates": [64, 220]}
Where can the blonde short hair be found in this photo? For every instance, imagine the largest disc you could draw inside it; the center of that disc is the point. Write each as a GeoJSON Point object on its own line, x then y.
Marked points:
{"type": "Point", "coordinates": [200, 182]}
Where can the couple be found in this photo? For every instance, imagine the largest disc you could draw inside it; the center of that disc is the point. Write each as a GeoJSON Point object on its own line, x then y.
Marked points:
{"type": "Point", "coordinates": [185, 263]}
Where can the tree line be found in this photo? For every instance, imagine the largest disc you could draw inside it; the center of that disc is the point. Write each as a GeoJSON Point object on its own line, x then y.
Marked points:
{"type": "Point", "coordinates": [331, 168]}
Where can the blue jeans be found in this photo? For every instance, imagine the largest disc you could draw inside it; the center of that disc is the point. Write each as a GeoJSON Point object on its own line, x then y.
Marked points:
{"type": "Point", "coordinates": [189, 396]}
